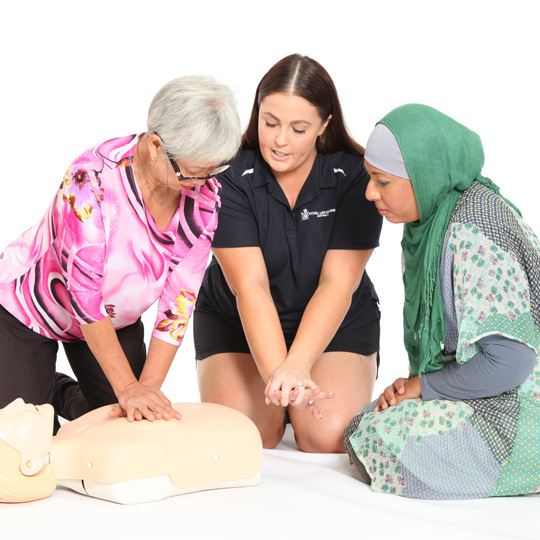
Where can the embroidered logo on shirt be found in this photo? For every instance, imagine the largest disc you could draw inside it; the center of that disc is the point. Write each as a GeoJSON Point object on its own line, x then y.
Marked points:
{"type": "Point", "coordinates": [324, 213]}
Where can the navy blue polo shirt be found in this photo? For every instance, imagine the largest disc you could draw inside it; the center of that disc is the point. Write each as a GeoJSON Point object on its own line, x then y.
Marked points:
{"type": "Point", "coordinates": [331, 212]}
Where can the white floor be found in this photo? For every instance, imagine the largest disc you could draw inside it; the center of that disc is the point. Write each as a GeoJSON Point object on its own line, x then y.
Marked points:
{"type": "Point", "coordinates": [300, 496]}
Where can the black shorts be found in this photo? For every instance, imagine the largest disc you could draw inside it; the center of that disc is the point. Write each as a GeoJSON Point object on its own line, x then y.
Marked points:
{"type": "Point", "coordinates": [214, 334]}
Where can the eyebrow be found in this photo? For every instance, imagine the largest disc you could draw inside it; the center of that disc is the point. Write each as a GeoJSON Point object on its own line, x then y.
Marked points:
{"type": "Point", "coordinates": [294, 122]}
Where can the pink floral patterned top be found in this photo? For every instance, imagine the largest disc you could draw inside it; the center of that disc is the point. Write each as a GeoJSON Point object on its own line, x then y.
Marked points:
{"type": "Point", "coordinates": [98, 252]}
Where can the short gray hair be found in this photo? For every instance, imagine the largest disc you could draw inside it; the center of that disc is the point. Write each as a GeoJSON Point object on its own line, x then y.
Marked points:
{"type": "Point", "coordinates": [197, 119]}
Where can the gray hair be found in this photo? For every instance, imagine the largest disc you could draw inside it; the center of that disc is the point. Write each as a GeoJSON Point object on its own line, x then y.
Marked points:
{"type": "Point", "coordinates": [197, 119]}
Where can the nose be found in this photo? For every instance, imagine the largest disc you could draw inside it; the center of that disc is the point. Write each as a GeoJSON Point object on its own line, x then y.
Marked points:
{"type": "Point", "coordinates": [372, 193]}
{"type": "Point", "coordinates": [281, 137]}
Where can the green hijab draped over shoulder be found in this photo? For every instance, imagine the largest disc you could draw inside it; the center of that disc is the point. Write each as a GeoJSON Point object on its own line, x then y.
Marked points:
{"type": "Point", "coordinates": [442, 158]}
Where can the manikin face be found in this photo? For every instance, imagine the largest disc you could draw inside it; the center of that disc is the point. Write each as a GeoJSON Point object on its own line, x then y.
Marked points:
{"type": "Point", "coordinates": [393, 196]}
{"type": "Point", "coordinates": [288, 129]}
{"type": "Point", "coordinates": [28, 429]}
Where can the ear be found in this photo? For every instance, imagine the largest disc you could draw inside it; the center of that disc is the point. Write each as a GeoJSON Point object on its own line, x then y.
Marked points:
{"type": "Point", "coordinates": [30, 467]}
{"type": "Point", "coordinates": [155, 147]}
{"type": "Point", "coordinates": [323, 127]}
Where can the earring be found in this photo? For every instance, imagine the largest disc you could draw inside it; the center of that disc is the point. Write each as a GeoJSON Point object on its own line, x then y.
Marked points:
{"type": "Point", "coordinates": [154, 161]}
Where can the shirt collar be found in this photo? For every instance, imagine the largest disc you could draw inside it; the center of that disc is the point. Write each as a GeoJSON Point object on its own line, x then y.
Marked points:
{"type": "Point", "coordinates": [262, 175]}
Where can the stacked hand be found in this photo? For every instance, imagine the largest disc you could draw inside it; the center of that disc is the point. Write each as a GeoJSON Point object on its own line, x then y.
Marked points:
{"type": "Point", "coordinates": [291, 384]}
{"type": "Point", "coordinates": [138, 401]}
{"type": "Point", "coordinates": [400, 390]}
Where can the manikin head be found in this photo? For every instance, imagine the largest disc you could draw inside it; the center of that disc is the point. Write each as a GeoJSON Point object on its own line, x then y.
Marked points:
{"type": "Point", "coordinates": [25, 443]}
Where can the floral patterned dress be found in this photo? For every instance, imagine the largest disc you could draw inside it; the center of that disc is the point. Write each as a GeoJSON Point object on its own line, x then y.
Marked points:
{"type": "Point", "coordinates": [98, 252]}
{"type": "Point", "coordinates": [442, 449]}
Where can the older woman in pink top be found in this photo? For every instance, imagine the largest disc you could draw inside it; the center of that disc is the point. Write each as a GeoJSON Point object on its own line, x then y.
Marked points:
{"type": "Point", "coordinates": [131, 223]}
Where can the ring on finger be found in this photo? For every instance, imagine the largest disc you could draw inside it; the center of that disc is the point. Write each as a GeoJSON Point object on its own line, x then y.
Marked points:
{"type": "Point", "coordinates": [299, 384]}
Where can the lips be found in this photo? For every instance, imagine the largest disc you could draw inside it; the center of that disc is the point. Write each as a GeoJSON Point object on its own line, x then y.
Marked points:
{"type": "Point", "coordinates": [279, 155]}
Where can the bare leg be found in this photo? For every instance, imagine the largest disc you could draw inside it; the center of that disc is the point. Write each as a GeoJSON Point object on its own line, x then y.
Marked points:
{"type": "Point", "coordinates": [351, 377]}
{"type": "Point", "coordinates": [232, 379]}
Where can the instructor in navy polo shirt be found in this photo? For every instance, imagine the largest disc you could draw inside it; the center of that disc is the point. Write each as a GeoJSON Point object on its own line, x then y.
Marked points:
{"type": "Point", "coordinates": [287, 320]}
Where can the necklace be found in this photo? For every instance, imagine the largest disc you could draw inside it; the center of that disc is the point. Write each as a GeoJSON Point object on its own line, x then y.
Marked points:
{"type": "Point", "coordinates": [146, 179]}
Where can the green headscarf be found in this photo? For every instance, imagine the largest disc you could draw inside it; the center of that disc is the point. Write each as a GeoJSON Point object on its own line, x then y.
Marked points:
{"type": "Point", "coordinates": [442, 158]}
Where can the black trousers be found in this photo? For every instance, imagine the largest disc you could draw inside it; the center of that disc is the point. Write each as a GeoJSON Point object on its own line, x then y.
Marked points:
{"type": "Point", "coordinates": [28, 368]}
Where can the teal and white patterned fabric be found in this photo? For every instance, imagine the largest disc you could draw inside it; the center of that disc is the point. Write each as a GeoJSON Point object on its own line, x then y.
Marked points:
{"type": "Point", "coordinates": [441, 449]}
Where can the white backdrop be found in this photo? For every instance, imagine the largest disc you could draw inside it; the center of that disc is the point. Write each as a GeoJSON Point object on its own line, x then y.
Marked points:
{"type": "Point", "coordinates": [75, 73]}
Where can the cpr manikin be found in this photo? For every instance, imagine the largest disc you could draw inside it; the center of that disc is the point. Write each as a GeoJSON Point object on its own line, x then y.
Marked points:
{"type": "Point", "coordinates": [126, 462]}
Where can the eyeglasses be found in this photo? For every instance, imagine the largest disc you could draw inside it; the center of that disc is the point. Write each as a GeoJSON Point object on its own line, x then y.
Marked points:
{"type": "Point", "coordinates": [219, 170]}
{"type": "Point", "coordinates": [181, 178]}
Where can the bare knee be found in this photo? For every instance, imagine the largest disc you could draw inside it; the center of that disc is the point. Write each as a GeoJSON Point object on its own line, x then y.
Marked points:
{"type": "Point", "coordinates": [233, 380]}
{"type": "Point", "coordinates": [272, 436]}
{"type": "Point", "coordinates": [269, 422]}
{"type": "Point", "coordinates": [321, 436]}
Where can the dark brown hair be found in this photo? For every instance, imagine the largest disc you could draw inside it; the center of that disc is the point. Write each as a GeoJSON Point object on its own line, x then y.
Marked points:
{"type": "Point", "coordinates": [302, 76]}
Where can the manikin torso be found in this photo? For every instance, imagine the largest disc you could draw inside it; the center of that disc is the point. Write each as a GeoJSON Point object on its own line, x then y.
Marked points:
{"type": "Point", "coordinates": [130, 462]}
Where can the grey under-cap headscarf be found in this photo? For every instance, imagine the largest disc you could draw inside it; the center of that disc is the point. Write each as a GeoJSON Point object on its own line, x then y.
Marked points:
{"type": "Point", "coordinates": [383, 152]}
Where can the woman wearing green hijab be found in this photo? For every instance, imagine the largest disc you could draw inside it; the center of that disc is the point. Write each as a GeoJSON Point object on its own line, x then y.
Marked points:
{"type": "Point", "coordinates": [466, 422]}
